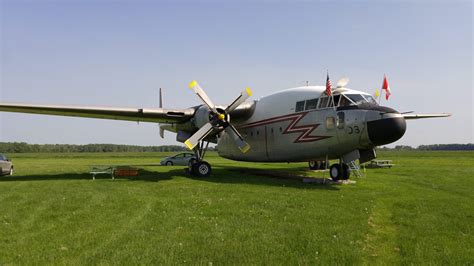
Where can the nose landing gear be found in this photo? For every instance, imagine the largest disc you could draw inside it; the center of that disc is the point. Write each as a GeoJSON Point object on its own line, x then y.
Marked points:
{"type": "Point", "coordinates": [339, 172]}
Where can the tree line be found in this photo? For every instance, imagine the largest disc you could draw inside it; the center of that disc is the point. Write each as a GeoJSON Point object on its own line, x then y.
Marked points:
{"type": "Point", "coordinates": [22, 147]}
{"type": "Point", "coordinates": [435, 147]}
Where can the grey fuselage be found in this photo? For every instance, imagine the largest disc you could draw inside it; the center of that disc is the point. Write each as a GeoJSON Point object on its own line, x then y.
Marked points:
{"type": "Point", "coordinates": [280, 130]}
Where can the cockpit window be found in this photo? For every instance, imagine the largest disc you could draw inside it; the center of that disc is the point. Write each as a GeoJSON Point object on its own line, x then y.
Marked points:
{"type": "Point", "coordinates": [336, 99]}
{"type": "Point", "coordinates": [356, 98]}
{"type": "Point", "coordinates": [370, 99]}
{"type": "Point", "coordinates": [344, 101]}
{"type": "Point", "coordinates": [323, 102]}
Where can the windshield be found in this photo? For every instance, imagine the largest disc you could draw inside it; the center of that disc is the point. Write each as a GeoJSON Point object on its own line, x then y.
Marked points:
{"type": "Point", "coordinates": [370, 99]}
{"type": "Point", "coordinates": [356, 98]}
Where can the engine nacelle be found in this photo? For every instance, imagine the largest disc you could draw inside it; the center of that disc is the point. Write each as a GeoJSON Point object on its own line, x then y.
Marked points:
{"type": "Point", "coordinates": [201, 116]}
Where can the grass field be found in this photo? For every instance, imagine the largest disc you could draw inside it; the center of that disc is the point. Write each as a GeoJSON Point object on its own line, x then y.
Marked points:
{"type": "Point", "coordinates": [419, 212]}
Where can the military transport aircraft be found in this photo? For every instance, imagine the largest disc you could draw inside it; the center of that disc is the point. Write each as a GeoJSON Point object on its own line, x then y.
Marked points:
{"type": "Point", "coordinates": [293, 125]}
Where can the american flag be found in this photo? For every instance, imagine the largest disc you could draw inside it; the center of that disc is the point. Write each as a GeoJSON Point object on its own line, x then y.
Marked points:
{"type": "Point", "coordinates": [328, 85]}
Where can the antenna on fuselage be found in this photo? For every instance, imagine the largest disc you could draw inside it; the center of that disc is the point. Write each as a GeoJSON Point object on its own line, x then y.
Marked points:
{"type": "Point", "coordinates": [305, 82]}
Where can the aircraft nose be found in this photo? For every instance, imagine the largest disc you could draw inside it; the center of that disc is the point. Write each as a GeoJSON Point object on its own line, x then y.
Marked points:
{"type": "Point", "coordinates": [386, 130]}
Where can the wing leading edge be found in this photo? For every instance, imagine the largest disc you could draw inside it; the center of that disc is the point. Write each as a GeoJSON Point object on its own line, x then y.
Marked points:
{"type": "Point", "coordinates": [154, 115]}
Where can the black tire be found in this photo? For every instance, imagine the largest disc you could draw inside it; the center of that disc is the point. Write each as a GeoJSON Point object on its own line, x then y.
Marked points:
{"type": "Point", "coordinates": [313, 165]}
{"type": "Point", "coordinates": [168, 163]}
{"type": "Point", "coordinates": [192, 161]}
{"type": "Point", "coordinates": [346, 172]}
{"type": "Point", "coordinates": [191, 164]}
{"type": "Point", "coordinates": [202, 169]}
{"type": "Point", "coordinates": [335, 172]}
{"type": "Point", "coordinates": [322, 165]}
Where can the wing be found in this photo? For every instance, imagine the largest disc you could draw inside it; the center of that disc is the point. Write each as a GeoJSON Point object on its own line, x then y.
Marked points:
{"type": "Point", "coordinates": [420, 116]}
{"type": "Point", "coordinates": [155, 115]}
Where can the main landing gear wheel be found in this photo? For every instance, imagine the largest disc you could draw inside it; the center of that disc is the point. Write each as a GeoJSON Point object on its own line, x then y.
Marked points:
{"type": "Point", "coordinates": [169, 163]}
{"type": "Point", "coordinates": [11, 171]}
{"type": "Point", "coordinates": [314, 165]}
{"type": "Point", "coordinates": [346, 172]}
{"type": "Point", "coordinates": [201, 169]}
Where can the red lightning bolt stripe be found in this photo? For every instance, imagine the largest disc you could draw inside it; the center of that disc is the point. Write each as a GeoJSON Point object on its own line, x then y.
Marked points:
{"type": "Point", "coordinates": [305, 130]}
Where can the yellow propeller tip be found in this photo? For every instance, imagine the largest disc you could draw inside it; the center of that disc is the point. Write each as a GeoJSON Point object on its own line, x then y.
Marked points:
{"type": "Point", "coordinates": [249, 91]}
{"type": "Point", "coordinates": [192, 84]}
{"type": "Point", "coordinates": [189, 144]}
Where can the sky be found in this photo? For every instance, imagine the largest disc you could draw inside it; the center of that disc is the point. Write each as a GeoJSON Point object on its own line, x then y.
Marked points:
{"type": "Point", "coordinates": [119, 53]}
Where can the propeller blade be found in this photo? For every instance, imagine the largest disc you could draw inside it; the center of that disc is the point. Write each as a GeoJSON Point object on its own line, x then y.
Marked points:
{"type": "Point", "coordinates": [198, 136]}
{"type": "Point", "coordinates": [239, 140]}
{"type": "Point", "coordinates": [201, 94]}
{"type": "Point", "coordinates": [244, 95]}
{"type": "Point", "coordinates": [342, 82]}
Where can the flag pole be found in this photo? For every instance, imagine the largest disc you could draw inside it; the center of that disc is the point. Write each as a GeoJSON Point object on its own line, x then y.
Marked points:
{"type": "Point", "coordinates": [330, 89]}
{"type": "Point", "coordinates": [380, 96]}
{"type": "Point", "coordinates": [381, 89]}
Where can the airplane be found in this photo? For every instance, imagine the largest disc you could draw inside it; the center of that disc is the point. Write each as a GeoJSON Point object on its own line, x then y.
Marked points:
{"type": "Point", "coordinates": [302, 124]}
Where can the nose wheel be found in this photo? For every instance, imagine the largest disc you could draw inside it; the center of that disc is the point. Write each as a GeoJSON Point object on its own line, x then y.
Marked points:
{"type": "Point", "coordinates": [339, 172]}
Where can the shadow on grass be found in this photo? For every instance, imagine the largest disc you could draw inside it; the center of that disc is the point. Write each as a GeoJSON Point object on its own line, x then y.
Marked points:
{"type": "Point", "coordinates": [145, 175]}
{"type": "Point", "coordinates": [230, 175]}
{"type": "Point", "coordinates": [250, 176]}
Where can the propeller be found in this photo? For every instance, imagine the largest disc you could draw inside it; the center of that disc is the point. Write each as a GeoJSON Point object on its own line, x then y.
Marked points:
{"type": "Point", "coordinates": [342, 82]}
{"type": "Point", "coordinates": [219, 119]}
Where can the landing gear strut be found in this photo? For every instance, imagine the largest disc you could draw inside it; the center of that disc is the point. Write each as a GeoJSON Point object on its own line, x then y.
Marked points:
{"type": "Point", "coordinates": [339, 171]}
{"type": "Point", "coordinates": [198, 167]}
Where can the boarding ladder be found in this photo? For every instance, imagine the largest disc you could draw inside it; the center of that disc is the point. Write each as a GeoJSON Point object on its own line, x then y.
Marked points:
{"type": "Point", "coordinates": [355, 169]}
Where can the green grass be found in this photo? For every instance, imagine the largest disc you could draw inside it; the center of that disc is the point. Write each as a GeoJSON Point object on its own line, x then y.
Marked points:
{"type": "Point", "coordinates": [419, 212]}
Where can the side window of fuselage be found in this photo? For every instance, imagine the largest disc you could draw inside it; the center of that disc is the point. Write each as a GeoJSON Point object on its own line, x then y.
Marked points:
{"type": "Point", "coordinates": [311, 104]}
{"type": "Point", "coordinates": [299, 106]}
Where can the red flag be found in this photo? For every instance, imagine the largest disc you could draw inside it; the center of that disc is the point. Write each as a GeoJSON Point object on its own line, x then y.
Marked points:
{"type": "Point", "coordinates": [386, 88]}
{"type": "Point", "coordinates": [328, 85]}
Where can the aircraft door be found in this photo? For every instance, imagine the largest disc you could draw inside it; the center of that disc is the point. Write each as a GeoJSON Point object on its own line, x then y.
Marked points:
{"type": "Point", "coordinates": [340, 120]}
{"type": "Point", "coordinates": [349, 127]}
